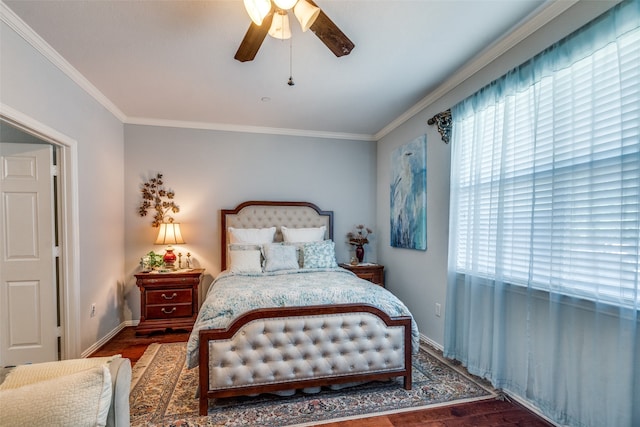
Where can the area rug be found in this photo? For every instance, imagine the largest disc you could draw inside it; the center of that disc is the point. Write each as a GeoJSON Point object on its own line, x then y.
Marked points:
{"type": "Point", "coordinates": [163, 394]}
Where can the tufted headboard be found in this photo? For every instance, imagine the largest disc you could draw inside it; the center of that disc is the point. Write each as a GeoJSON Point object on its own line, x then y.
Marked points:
{"type": "Point", "coordinates": [261, 214]}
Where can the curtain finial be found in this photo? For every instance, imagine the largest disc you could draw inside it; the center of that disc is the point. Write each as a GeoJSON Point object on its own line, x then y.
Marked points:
{"type": "Point", "coordinates": [443, 121]}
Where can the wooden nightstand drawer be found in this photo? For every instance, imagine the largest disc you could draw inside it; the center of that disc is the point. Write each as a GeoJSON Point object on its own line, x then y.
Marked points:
{"type": "Point", "coordinates": [168, 300]}
{"type": "Point", "coordinates": [165, 280]}
{"type": "Point", "coordinates": [168, 311]}
{"type": "Point", "coordinates": [371, 272]}
{"type": "Point", "coordinates": [370, 276]}
{"type": "Point", "coordinates": [169, 296]}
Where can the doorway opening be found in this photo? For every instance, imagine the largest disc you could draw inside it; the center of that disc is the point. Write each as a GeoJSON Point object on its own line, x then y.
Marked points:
{"type": "Point", "coordinates": [66, 224]}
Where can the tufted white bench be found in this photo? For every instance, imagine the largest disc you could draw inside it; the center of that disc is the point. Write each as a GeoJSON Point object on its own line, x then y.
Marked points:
{"type": "Point", "coordinates": [304, 347]}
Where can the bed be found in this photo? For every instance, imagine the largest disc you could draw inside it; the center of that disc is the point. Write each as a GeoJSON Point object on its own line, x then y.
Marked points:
{"type": "Point", "coordinates": [294, 320]}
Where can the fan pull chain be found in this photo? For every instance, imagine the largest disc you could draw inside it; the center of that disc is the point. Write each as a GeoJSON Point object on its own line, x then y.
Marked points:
{"type": "Point", "coordinates": [290, 82]}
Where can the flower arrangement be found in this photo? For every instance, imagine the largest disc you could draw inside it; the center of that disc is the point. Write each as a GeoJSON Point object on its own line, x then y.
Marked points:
{"type": "Point", "coordinates": [359, 236]}
{"type": "Point", "coordinates": [155, 197]}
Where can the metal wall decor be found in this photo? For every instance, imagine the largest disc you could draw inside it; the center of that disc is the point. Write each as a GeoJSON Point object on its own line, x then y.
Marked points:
{"type": "Point", "coordinates": [443, 121]}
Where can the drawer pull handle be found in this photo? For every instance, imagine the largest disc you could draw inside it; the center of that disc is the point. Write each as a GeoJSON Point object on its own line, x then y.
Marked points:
{"type": "Point", "coordinates": [171, 297]}
{"type": "Point", "coordinates": [165, 311]}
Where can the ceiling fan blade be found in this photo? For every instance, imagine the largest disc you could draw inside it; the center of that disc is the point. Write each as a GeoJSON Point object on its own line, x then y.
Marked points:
{"type": "Point", "coordinates": [253, 39]}
{"type": "Point", "coordinates": [331, 35]}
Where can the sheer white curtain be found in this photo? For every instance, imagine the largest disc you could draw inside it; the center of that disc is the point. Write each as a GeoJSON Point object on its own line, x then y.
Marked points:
{"type": "Point", "coordinates": [543, 295]}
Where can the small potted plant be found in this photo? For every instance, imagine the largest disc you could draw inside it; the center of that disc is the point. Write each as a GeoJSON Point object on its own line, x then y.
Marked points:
{"type": "Point", "coordinates": [151, 261]}
{"type": "Point", "coordinates": [359, 238]}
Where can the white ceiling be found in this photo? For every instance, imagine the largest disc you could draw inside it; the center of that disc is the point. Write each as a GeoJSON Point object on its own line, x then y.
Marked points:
{"type": "Point", "coordinates": [172, 61]}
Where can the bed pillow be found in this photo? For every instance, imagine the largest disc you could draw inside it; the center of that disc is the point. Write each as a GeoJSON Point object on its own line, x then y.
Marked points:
{"type": "Point", "coordinates": [79, 399]}
{"type": "Point", "coordinates": [280, 257]}
{"type": "Point", "coordinates": [245, 261]}
{"type": "Point", "coordinates": [251, 235]}
{"type": "Point", "coordinates": [244, 247]}
{"type": "Point", "coordinates": [320, 254]}
{"type": "Point", "coordinates": [299, 251]}
{"type": "Point", "coordinates": [303, 235]}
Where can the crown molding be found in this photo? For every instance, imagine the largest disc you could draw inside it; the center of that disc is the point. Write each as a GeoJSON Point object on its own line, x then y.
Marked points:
{"type": "Point", "coordinates": [248, 129]}
{"type": "Point", "coordinates": [523, 29]}
{"type": "Point", "coordinates": [30, 36]}
{"type": "Point", "coordinates": [540, 17]}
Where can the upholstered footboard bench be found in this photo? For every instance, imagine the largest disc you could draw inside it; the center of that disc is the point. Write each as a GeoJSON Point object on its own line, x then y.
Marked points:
{"type": "Point", "coordinates": [274, 350]}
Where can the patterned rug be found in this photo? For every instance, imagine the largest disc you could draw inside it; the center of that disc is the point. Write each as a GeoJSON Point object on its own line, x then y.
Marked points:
{"type": "Point", "coordinates": [163, 394]}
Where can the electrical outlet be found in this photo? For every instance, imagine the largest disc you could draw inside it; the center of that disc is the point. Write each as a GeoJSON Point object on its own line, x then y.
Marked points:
{"type": "Point", "coordinates": [93, 309]}
{"type": "Point", "coordinates": [438, 309]}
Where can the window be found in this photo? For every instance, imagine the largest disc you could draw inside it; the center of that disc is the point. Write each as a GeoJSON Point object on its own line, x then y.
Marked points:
{"type": "Point", "coordinates": [546, 173]}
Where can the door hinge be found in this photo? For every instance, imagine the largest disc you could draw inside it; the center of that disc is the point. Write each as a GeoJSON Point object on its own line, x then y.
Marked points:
{"type": "Point", "coordinates": [54, 170]}
{"type": "Point", "coordinates": [59, 332]}
{"type": "Point", "coordinates": [56, 251]}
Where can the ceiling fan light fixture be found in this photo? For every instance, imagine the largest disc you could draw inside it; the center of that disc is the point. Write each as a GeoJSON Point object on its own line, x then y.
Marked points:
{"type": "Point", "coordinates": [280, 28]}
{"type": "Point", "coordinates": [306, 13]}
{"type": "Point", "coordinates": [285, 4]}
{"type": "Point", "coordinates": [257, 9]}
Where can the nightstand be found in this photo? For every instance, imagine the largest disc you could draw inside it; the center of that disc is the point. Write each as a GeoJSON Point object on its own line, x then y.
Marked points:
{"type": "Point", "coordinates": [168, 300]}
{"type": "Point", "coordinates": [371, 272]}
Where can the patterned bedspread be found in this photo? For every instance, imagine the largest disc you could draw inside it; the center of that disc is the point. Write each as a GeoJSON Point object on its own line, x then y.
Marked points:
{"type": "Point", "coordinates": [231, 295]}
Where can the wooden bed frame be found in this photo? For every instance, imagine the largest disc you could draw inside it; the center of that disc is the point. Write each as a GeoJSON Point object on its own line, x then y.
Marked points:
{"type": "Point", "coordinates": [342, 333]}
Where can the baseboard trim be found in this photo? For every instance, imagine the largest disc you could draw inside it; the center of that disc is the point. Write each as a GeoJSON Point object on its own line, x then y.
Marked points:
{"type": "Point", "coordinates": [92, 349]}
{"type": "Point", "coordinates": [530, 406]}
{"type": "Point", "coordinates": [431, 342]}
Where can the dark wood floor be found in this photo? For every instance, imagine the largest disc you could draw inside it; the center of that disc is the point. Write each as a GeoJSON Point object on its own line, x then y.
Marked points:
{"type": "Point", "coordinates": [131, 346]}
{"type": "Point", "coordinates": [484, 413]}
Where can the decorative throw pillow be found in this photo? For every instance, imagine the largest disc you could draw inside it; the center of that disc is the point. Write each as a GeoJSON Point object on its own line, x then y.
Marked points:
{"type": "Point", "coordinates": [320, 254]}
{"type": "Point", "coordinates": [303, 235]}
{"type": "Point", "coordinates": [80, 399]}
{"type": "Point", "coordinates": [299, 251]}
{"type": "Point", "coordinates": [280, 257]}
{"type": "Point", "coordinates": [247, 261]}
{"type": "Point", "coordinates": [251, 235]}
{"type": "Point", "coordinates": [23, 375]}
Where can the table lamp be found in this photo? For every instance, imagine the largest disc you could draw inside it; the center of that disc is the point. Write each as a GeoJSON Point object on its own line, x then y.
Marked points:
{"type": "Point", "coordinates": [169, 234]}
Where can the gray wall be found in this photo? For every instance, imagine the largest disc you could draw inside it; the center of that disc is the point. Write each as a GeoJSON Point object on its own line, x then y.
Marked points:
{"type": "Point", "coordinates": [32, 85]}
{"type": "Point", "coordinates": [213, 170]}
{"type": "Point", "coordinates": [420, 278]}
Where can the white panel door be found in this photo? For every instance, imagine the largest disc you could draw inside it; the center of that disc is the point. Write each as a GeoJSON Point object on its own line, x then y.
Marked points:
{"type": "Point", "coordinates": [28, 296]}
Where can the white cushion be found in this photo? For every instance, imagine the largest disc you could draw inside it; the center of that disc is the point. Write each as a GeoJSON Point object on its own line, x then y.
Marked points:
{"type": "Point", "coordinates": [280, 257]}
{"type": "Point", "coordinates": [247, 261]}
{"type": "Point", "coordinates": [251, 235]}
{"type": "Point", "coordinates": [80, 399]}
{"type": "Point", "coordinates": [303, 235]}
{"type": "Point", "coordinates": [28, 374]}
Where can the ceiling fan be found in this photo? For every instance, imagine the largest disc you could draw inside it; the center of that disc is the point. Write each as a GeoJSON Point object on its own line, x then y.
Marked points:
{"type": "Point", "coordinates": [271, 17]}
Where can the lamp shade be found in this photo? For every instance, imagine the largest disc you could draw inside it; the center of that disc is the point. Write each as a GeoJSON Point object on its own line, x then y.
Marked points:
{"type": "Point", "coordinates": [169, 234]}
{"type": "Point", "coordinates": [257, 9]}
{"type": "Point", "coordinates": [306, 13]}
{"type": "Point", "coordinates": [280, 26]}
{"type": "Point", "coordinates": [285, 4]}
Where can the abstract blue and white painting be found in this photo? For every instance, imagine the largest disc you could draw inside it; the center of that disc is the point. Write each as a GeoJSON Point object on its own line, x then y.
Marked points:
{"type": "Point", "coordinates": [409, 195]}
